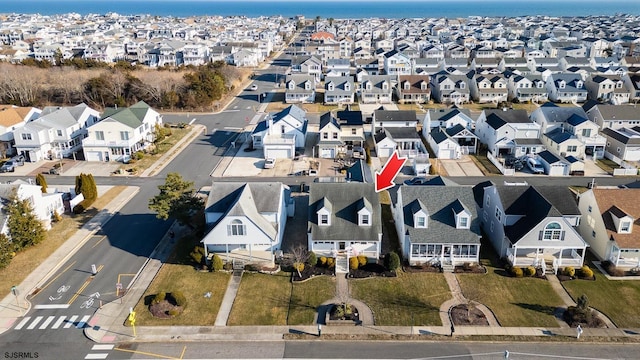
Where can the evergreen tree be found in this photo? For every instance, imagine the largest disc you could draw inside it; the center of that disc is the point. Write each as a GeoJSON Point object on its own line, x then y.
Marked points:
{"type": "Point", "coordinates": [6, 251]}
{"type": "Point", "coordinates": [176, 200]}
{"type": "Point", "coordinates": [25, 228]}
{"type": "Point", "coordinates": [40, 180]}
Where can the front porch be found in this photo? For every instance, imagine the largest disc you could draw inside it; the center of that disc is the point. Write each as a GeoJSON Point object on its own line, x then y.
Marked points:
{"type": "Point", "coordinates": [234, 253]}
{"type": "Point", "coordinates": [544, 257]}
{"type": "Point", "coordinates": [444, 254]}
{"type": "Point", "coordinates": [624, 258]}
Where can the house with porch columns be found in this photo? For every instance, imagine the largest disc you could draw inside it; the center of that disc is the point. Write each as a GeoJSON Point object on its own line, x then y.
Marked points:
{"type": "Point", "coordinates": [246, 221]}
{"type": "Point", "coordinates": [437, 225]}
{"type": "Point", "coordinates": [532, 226]}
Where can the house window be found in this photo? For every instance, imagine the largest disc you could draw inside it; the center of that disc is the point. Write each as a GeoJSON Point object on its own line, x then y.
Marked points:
{"type": "Point", "coordinates": [353, 131]}
{"type": "Point", "coordinates": [487, 201]}
{"type": "Point", "coordinates": [335, 135]}
{"type": "Point", "coordinates": [59, 132]}
{"type": "Point", "coordinates": [26, 136]}
{"type": "Point", "coordinates": [498, 214]}
{"type": "Point", "coordinates": [124, 135]}
{"type": "Point", "coordinates": [593, 234]}
{"type": "Point", "coordinates": [365, 219]}
{"type": "Point", "coordinates": [590, 208]}
{"type": "Point", "coordinates": [625, 226]}
{"type": "Point", "coordinates": [325, 135]}
{"type": "Point", "coordinates": [464, 222]}
{"type": "Point", "coordinates": [421, 222]}
{"type": "Point", "coordinates": [553, 231]}
{"type": "Point", "coordinates": [99, 135]}
{"type": "Point", "coordinates": [324, 219]}
{"type": "Point", "coordinates": [282, 129]}
{"type": "Point", "coordinates": [586, 132]}
{"type": "Point", "coordinates": [572, 148]}
{"type": "Point", "coordinates": [237, 228]}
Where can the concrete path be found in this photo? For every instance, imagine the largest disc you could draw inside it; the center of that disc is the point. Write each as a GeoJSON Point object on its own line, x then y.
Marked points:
{"type": "Point", "coordinates": [228, 299]}
{"type": "Point", "coordinates": [459, 299]}
{"type": "Point", "coordinates": [365, 315]}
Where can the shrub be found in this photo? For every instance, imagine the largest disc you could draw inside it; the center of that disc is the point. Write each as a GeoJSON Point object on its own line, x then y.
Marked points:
{"type": "Point", "coordinates": [138, 155]}
{"type": "Point", "coordinates": [331, 263]}
{"type": "Point", "coordinates": [392, 261]}
{"type": "Point", "coordinates": [529, 271]}
{"type": "Point", "coordinates": [586, 272]}
{"type": "Point", "coordinates": [298, 266]}
{"type": "Point", "coordinates": [569, 271]}
{"type": "Point", "coordinates": [353, 263]}
{"type": "Point", "coordinates": [40, 180]}
{"type": "Point", "coordinates": [160, 297]}
{"type": "Point", "coordinates": [173, 312]}
{"type": "Point", "coordinates": [217, 263]}
{"type": "Point", "coordinates": [179, 298]}
{"type": "Point", "coordinates": [362, 260]}
{"type": "Point", "coordinates": [78, 209]}
{"type": "Point", "coordinates": [313, 259]}
{"type": "Point", "coordinates": [323, 261]}
{"type": "Point", "coordinates": [517, 272]}
{"type": "Point", "coordinates": [197, 254]}
{"type": "Point", "coordinates": [56, 217]}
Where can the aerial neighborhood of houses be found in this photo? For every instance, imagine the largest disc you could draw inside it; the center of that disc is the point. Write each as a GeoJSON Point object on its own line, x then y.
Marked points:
{"type": "Point", "coordinates": [410, 86]}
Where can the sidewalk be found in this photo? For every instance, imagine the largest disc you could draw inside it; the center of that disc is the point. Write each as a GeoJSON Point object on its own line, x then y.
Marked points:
{"type": "Point", "coordinates": [9, 311]}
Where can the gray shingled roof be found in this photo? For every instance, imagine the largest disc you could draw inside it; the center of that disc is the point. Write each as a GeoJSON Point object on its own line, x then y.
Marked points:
{"type": "Point", "coordinates": [440, 202]}
{"type": "Point", "coordinates": [344, 198]}
{"type": "Point", "coordinates": [222, 196]}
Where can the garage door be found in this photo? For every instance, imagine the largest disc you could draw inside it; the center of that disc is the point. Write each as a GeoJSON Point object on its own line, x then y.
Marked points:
{"type": "Point", "coordinates": [93, 155]}
{"type": "Point", "coordinates": [327, 153]}
{"type": "Point", "coordinates": [279, 153]}
{"type": "Point", "coordinates": [445, 154]}
{"type": "Point", "coordinates": [385, 152]}
{"type": "Point", "coordinates": [633, 154]}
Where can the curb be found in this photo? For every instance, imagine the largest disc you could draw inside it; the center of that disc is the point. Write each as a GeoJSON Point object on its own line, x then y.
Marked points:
{"type": "Point", "coordinates": [165, 159]}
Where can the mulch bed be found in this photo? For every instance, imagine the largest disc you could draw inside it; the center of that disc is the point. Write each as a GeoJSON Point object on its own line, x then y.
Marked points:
{"type": "Point", "coordinates": [459, 316]}
{"type": "Point", "coordinates": [161, 309]}
{"type": "Point", "coordinates": [569, 278]}
{"type": "Point", "coordinates": [613, 270]}
{"type": "Point", "coordinates": [572, 317]}
{"type": "Point", "coordinates": [309, 272]}
{"type": "Point", "coordinates": [422, 268]}
{"type": "Point", "coordinates": [334, 316]}
{"type": "Point", "coordinates": [371, 270]}
{"type": "Point", "coordinates": [473, 269]}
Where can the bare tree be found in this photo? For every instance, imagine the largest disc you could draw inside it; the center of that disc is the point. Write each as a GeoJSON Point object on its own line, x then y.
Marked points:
{"type": "Point", "coordinates": [300, 256]}
{"type": "Point", "coordinates": [471, 297]}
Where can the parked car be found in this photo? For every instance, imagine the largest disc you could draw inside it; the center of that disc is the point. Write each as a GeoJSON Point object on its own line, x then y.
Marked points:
{"type": "Point", "coordinates": [269, 163]}
{"type": "Point", "coordinates": [535, 166]}
{"type": "Point", "coordinates": [18, 159]}
{"type": "Point", "coordinates": [9, 166]}
{"type": "Point", "coordinates": [416, 181]}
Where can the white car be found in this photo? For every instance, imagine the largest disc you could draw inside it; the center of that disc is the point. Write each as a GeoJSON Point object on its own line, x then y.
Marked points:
{"type": "Point", "coordinates": [535, 166]}
{"type": "Point", "coordinates": [269, 163]}
{"type": "Point", "coordinates": [253, 87]}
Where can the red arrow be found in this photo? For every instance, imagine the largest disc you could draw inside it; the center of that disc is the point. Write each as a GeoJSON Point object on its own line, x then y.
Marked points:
{"type": "Point", "coordinates": [384, 178]}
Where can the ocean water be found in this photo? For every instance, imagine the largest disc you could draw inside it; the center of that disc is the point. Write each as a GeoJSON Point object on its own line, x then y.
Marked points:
{"type": "Point", "coordinates": [347, 9]}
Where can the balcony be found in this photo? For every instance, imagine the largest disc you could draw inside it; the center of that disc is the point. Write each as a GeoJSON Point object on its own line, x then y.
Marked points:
{"type": "Point", "coordinates": [272, 139]}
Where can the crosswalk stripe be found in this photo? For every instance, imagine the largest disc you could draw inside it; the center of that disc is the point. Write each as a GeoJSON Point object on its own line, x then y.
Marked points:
{"type": "Point", "coordinates": [83, 322]}
{"type": "Point", "coordinates": [97, 356]}
{"type": "Point", "coordinates": [59, 322]}
{"type": "Point", "coordinates": [46, 322]}
{"type": "Point", "coordinates": [70, 322]}
{"type": "Point", "coordinates": [102, 347]}
{"type": "Point", "coordinates": [34, 323]}
{"type": "Point", "coordinates": [51, 306]}
{"type": "Point", "coordinates": [22, 323]}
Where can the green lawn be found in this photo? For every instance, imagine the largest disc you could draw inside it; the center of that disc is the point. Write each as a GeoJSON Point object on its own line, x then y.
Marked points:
{"type": "Point", "coordinates": [618, 299]}
{"type": "Point", "coordinates": [307, 296]}
{"type": "Point", "coordinates": [514, 301]}
{"type": "Point", "coordinates": [395, 301]}
{"type": "Point", "coordinates": [262, 299]}
{"type": "Point", "coordinates": [179, 274]}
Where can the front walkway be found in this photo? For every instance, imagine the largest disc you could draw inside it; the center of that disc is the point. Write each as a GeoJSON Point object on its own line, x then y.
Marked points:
{"type": "Point", "coordinates": [459, 299]}
{"type": "Point", "coordinates": [365, 315]}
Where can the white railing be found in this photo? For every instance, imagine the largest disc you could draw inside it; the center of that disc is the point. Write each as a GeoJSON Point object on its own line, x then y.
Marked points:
{"type": "Point", "coordinates": [503, 169]}
{"type": "Point", "coordinates": [105, 143]}
{"type": "Point", "coordinates": [279, 139]}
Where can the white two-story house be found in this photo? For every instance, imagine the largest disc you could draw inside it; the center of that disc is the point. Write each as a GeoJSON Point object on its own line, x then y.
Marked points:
{"type": "Point", "coordinates": [121, 132]}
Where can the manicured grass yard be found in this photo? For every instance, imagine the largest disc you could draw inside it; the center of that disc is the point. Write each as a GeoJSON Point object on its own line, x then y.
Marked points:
{"type": "Point", "coordinates": [179, 275]}
{"type": "Point", "coordinates": [618, 299]}
{"type": "Point", "coordinates": [395, 301]}
{"type": "Point", "coordinates": [265, 299]}
{"type": "Point", "coordinates": [307, 296]}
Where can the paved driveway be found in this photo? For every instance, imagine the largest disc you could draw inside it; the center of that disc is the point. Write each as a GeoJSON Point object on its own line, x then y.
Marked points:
{"type": "Point", "coordinates": [295, 233]}
{"type": "Point", "coordinates": [460, 167]}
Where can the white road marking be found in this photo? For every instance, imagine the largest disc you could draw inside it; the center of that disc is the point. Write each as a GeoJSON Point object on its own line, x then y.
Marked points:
{"type": "Point", "coordinates": [34, 323]}
{"type": "Point", "coordinates": [59, 322]}
{"type": "Point", "coordinates": [46, 322]}
{"type": "Point", "coordinates": [52, 306]}
{"type": "Point", "coordinates": [22, 323]}
{"type": "Point", "coordinates": [83, 322]}
{"type": "Point", "coordinates": [97, 356]}
{"type": "Point", "coordinates": [70, 322]}
{"type": "Point", "coordinates": [102, 347]}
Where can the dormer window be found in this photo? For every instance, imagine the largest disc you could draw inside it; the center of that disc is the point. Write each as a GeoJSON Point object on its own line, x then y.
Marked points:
{"type": "Point", "coordinates": [324, 219]}
{"type": "Point", "coordinates": [462, 85]}
{"type": "Point", "coordinates": [385, 86]}
{"type": "Point", "coordinates": [307, 86]}
{"type": "Point", "coordinates": [463, 222]}
{"type": "Point", "coordinates": [562, 84]}
{"type": "Point", "coordinates": [330, 86]}
{"type": "Point", "coordinates": [579, 84]}
{"type": "Point", "coordinates": [423, 85]}
{"type": "Point", "coordinates": [621, 220]}
{"type": "Point", "coordinates": [347, 87]}
{"type": "Point", "coordinates": [364, 220]}
{"type": "Point", "coordinates": [407, 86]}
{"type": "Point", "coordinates": [292, 85]}
{"type": "Point", "coordinates": [368, 85]}
{"type": "Point", "coordinates": [619, 85]}
{"type": "Point", "coordinates": [421, 222]}
{"type": "Point", "coordinates": [625, 227]}
{"type": "Point", "coordinates": [364, 212]}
